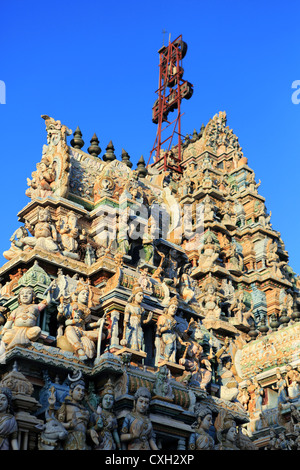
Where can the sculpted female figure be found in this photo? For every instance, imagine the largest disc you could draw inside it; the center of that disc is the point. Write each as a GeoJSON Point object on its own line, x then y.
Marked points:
{"type": "Point", "coordinates": [80, 334]}
{"type": "Point", "coordinates": [8, 423]}
{"type": "Point", "coordinates": [200, 439]}
{"type": "Point", "coordinates": [106, 424]}
{"type": "Point", "coordinates": [21, 325]}
{"type": "Point", "coordinates": [133, 335]}
{"type": "Point", "coordinates": [75, 417]}
{"type": "Point", "coordinates": [210, 303]}
{"type": "Point", "coordinates": [137, 429]}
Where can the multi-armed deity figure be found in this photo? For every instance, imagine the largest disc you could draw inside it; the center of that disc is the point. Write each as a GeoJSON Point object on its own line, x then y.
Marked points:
{"type": "Point", "coordinates": [80, 334]}
{"type": "Point", "coordinates": [137, 431]}
{"type": "Point", "coordinates": [44, 233]}
{"type": "Point", "coordinates": [133, 335]}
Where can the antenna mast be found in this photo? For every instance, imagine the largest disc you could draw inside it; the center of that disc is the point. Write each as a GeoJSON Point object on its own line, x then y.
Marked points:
{"type": "Point", "coordinates": [172, 89]}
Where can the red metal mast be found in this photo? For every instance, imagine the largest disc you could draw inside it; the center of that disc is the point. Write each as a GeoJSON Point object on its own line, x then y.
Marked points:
{"type": "Point", "coordinates": [172, 89]}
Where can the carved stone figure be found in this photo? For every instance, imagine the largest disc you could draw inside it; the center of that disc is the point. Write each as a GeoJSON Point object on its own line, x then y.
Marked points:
{"type": "Point", "coordinates": [137, 431]}
{"type": "Point", "coordinates": [44, 233]}
{"type": "Point", "coordinates": [209, 302]}
{"type": "Point", "coordinates": [106, 426]}
{"type": "Point", "coordinates": [293, 381]}
{"type": "Point", "coordinates": [200, 439]}
{"type": "Point", "coordinates": [239, 310]}
{"type": "Point", "coordinates": [209, 252]}
{"type": "Point", "coordinates": [68, 230]}
{"type": "Point", "coordinates": [75, 416]}
{"type": "Point", "coordinates": [281, 387]}
{"type": "Point", "coordinates": [80, 334]}
{"type": "Point", "coordinates": [186, 288]}
{"type": "Point", "coordinates": [8, 423]}
{"type": "Point", "coordinates": [17, 244]}
{"type": "Point", "coordinates": [226, 432]}
{"type": "Point", "coordinates": [198, 369]}
{"type": "Point", "coordinates": [166, 334]}
{"type": "Point", "coordinates": [162, 386]}
{"type": "Point", "coordinates": [133, 335]}
{"type": "Point", "coordinates": [21, 327]}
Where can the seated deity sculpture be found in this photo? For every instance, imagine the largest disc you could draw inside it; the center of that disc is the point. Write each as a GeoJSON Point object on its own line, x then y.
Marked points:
{"type": "Point", "coordinates": [21, 327]}
{"type": "Point", "coordinates": [44, 233]}
{"type": "Point", "coordinates": [210, 303]}
{"type": "Point", "coordinates": [209, 252]}
{"type": "Point", "coordinates": [80, 334]}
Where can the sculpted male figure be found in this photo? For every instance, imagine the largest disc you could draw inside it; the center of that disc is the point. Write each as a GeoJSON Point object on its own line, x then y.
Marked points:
{"type": "Point", "coordinates": [21, 325]}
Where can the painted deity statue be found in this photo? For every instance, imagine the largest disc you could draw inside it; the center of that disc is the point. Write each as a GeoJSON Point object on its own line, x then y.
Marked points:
{"type": "Point", "coordinates": [137, 430]}
{"type": "Point", "coordinates": [226, 432]}
{"type": "Point", "coordinates": [292, 381]}
{"type": "Point", "coordinates": [80, 335]}
{"type": "Point", "coordinates": [106, 426]}
{"type": "Point", "coordinates": [198, 369]}
{"type": "Point", "coordinates": [186, 287]}
{"type": "Point", "coordinates": [68, 231]}
{"type": "Point", "coordinates": [8, 423]}
{"type": "Point", "coordinates": [75, 416]}
{"type": "Point", "coordinates": [167, 336]}
{"type": "Point", "coordinates": [21, 327]}
{"type": "Point", "coordinates": [210, 303]}
{"type": "Point", "coordinates": [200, 439]}
{"type": "Point", "coordinates": [281, 388]}
{"type": "Point", "coordinates": [44, 233]}
{"type": "Point", "coordinates": [133, 335]}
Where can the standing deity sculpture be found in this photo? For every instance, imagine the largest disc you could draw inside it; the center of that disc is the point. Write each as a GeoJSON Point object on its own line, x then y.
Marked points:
{"type": "Point", "coordinates": [209, 251]}
{"type": "Point", "coordinates": [281, 388]}
{"type": "Point", "coordinates": [75, 416]}
{"type": "Point", "coordinates": [68, 231]}
{"type": "Point", "coordinates": [137, 431]}
{"type": "Point", "coordinates": [200, 439]}
{"type": "Point", "coordinates": [80, 333]}
{"type": "Point", "coordinates": [166, 334]}
{"type": "Point", "coordinates": [292, 379]}
{"type": "Point", "coordinates": [8, 423]}
{"type": "Point", "coordinates": [133, 335]}
{"type": "Point", "coordinates": [209, 302]}
{"type": "Point", "coordinates": [105, 429]}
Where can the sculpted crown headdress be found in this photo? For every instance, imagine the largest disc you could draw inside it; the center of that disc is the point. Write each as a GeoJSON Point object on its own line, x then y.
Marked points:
{"type": "Point", "coordinates": [108, 389]}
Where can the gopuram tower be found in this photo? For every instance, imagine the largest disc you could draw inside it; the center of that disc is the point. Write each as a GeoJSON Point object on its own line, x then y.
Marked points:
{"type": "Point", "coordinates": [148, 308]}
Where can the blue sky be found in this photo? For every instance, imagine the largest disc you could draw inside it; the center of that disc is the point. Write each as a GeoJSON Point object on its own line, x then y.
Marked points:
{"type": "Point", "coordinates": [94, 64]}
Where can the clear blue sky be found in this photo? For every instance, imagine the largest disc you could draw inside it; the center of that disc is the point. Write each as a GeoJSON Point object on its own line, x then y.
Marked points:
{"type": "Point", "coordinates": [95, 64]}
